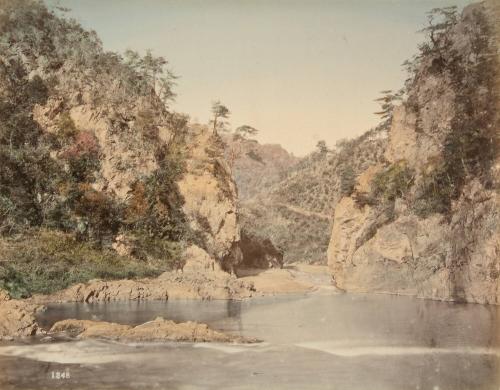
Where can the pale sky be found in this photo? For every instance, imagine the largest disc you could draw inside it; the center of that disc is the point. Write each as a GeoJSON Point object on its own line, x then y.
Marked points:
{"type": "Point", "coordinates": [299, 71]}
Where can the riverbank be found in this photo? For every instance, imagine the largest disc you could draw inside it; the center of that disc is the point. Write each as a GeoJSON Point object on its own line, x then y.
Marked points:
{"type": "Point", "coordinates": [310, 341]}
{"type": "Point", "coordinates": [18, 316]}
{"type": "Point", "coordinates": [193, 284]}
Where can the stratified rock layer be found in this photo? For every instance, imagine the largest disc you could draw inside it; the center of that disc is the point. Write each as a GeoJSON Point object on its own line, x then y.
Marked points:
{"type": "Point", "coordinates": [452, 255]}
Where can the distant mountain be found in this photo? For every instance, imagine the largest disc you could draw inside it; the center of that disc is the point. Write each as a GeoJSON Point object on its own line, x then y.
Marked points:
{"type": "Point", "coordinates": [291, 200]}
{"type": "Point", "coordinates": [257, 166]}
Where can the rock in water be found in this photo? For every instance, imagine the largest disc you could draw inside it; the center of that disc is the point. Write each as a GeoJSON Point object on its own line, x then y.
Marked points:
{"type": "Point", "coordinates": [157, 330]}
{"type": "Point", "coordinates": [17, 317]}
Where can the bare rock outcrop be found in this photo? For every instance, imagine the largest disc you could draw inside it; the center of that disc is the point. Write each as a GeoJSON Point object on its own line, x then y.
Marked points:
{"type": "Point", "coordinates": [407, 230]}
{"type": "Point", "coordinates": [4, 296]}
{"type": "Point", "coordinates": [133, 135]}
{"type": "Point", "coordinates": [17, 317]}
{"type": "Point", "coordinates": [157, 330]}
{"type": "Point", "coordinates": [210, 198]}
{"type": "Point", "coordinates": [205, 284]}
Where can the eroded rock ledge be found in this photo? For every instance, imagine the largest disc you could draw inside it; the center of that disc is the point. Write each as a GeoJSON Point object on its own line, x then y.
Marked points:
{"type": "Point", "coordinates": [157, 330]}
{"type": "Point", "coordinates": [170, 285]}
{"type": "Point", "coordinates": [17, 318]}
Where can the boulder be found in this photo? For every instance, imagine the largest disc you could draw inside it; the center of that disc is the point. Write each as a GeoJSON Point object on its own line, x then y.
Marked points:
{"type": "Point", "coordinates": [157, 330]}
{"type": "Point", "coordinates": [17, 318]}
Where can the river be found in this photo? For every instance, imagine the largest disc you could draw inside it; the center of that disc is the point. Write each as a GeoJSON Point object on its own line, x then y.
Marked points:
{"type": "Point", "coordinates": [311, 341]}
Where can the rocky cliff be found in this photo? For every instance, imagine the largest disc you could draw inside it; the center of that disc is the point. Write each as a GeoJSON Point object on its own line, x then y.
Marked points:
{"type": "Point", "coordinates": [294, 211]}
{"type": "Point", "coordinates": [210, 197]}
{"type": "Point", "coordinates": [426, 221]}
{"type": "Point", "coordinates": [256, 166]}
{"type": "Point", "coordinates": [96, 166]}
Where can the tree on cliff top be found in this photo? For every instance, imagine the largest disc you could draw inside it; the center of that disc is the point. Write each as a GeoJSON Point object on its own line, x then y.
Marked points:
{"type": "Point", "coordinates": [387, 103]}
{"type": "Point", "coordinates": [235, 149]}
{"type": "Point", "coordinates": [322, 147]}
{"type": "Point", "coordinates": [153, 72]}
{"type": "Point", "coordinates": [219, 112]}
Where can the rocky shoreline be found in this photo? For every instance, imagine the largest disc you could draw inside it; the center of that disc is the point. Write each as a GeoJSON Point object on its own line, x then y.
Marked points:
{"type": "Point", "coordinates": [18, 316]}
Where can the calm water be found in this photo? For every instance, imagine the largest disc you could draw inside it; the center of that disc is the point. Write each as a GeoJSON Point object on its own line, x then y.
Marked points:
{"type": "Point", "coordinates": [310, 342]}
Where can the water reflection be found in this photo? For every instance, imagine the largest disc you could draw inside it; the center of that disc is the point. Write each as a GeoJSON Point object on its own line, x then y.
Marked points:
{"type": "Point", "coordinates": [312, 342]}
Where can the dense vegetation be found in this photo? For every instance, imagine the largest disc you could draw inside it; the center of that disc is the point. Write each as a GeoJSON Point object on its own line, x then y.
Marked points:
{"type": "Point", "coordinates": [462, 63]}
{"type": "Point", "coordinates": [465, 64]}
{"type": "Point", "coordinates": [57, 224]}
{"type": "Point", "coordinates": [296, 211]}
{"type": "Point", "coordinates": [471, 145]}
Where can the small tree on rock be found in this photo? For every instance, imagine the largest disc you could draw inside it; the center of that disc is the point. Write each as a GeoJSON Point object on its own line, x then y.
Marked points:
{"type": "Point", "coordinates": [219, 112]}
{"type": "Point", "coordinates": [322, 147]}
{"type": "Point", "coordinates": [235, 150]}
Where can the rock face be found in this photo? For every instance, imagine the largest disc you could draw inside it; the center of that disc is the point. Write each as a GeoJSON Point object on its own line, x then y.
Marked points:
{"type": "Point", "coordinates": [256, 166]}
{"type": "Point", "coordinates": [123, 170]}
{"type": "Point", "coordinates": [17, 318]}
{"type": "Point", "coordinates": [210, 198]}
{"type": "Point", "coordinates": [192, 284]}
{"type": "Point", "coordinates": [295, 212]}
{"type": "Point", "coordinates": [156, 330]}
{"type": "Point", "coordinates": [408, 242]}
{"type": "Point", "coordinates": [208, 190]}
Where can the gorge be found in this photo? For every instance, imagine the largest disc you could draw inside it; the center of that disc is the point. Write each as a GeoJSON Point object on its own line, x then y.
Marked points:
{"type": "Point", "coordinates": [133, 238]}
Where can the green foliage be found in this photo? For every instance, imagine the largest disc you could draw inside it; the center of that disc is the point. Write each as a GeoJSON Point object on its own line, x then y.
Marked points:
{"type": "Point", "coordinates": [46, 261]}
{"type": "Point", "coordinates": [27, 168]}
{"type": "Point", "coordinates": [83, 157]}
{"type": "Point", "coordinates": [46, 180]}
{"type": "Point", "coordinates": [158, 250]}
{"type": "Point", "coordinates": [387, 102]}
{"type": "Point", "coordinates": [347, 180]}
{"type": "Point", "coordinates": [440, 23]}
{"type": "Point", "coordinates": [315, 183]}
{"type": "Point", "coordinates": [66, 127]}
{"type": "Point", "coordinates": [158, 80]}
{"type": "Point", "coordinates": [220, 112]}
{"type": "Point", "coordinates": [434, 193]}
{"type": "Point", "coordinates": [471, 143]}
{"type": "Point", "coordinates": [157, 203]}
{"type": "Point", "coordinates": [13, 281]}
{"type": "Point", "coordinates": [304, 238]}
{"type": "Point", "coordinates": [393, 182]}
{"type": "Point", "coordinates": [321, 147]}
{"type": "Point", "coordinates": [471, 146]}
{"type": "Point", "coordinates": [98, 214]}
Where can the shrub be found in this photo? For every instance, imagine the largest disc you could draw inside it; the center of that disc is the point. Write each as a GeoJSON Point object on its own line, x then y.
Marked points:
{"type": "Point", "coordinates": [434, 192]}
{"type": "Point", "coordinates": [45, 261]}
{"type": "Point", "coordinates": [82, 156]}
{"type": "Point", "coordinates": [347, 180]}
{"type": "Point", "coordinates": [165, 253]}
{"type": "Point", "coordinates": [66, 128]}
{"type": "Point", "coordinates": [393, 182]}
{"type": "Point", "coordinates": [155, 206]}
{"type": "Point", "coordinates": [99, 213]}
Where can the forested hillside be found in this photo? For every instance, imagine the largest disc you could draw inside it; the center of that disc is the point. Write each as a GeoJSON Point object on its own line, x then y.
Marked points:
{"type": "Point", "coordinates": [94, 161]}
{"type": "Point", "coordinates": [426, 221]}
{"type": "Point", "coordinates": [295, 212]}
